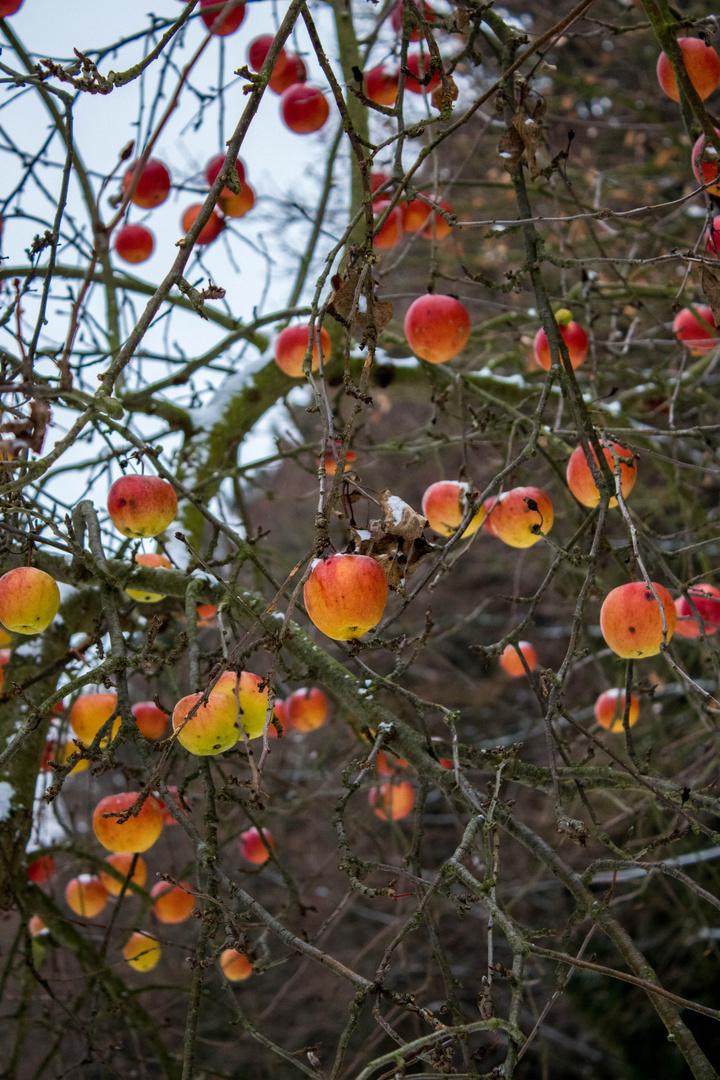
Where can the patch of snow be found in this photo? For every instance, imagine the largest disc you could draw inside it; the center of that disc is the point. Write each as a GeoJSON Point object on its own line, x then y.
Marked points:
{"type": "Point", "coordinates": [396, 507]}
{"type": "Point", "coordinates": [363, 534]}
{"type": "Point", "coordinates": [6, 794]}
{"type": "Point", "coordinates": [33, 646]}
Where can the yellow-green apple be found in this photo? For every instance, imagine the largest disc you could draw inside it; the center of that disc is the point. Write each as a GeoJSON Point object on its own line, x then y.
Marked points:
{"type": "Point", "coordinates": [29, 600]}
{"type": "Point", "coordinates": [511, 663]}
{"type": "Point", "coordinates": [580, 479]}
{"type": "Point", "coordinates": [86, 895]}
{"type": "Point", "coordinates": [254, 846]}
{"type": "Point", "coordinates": [392, 801]}
{"type": "Point", "coordinates": [171, 903]}
{"type": "Point", "coordinates": [291, 346]}
{"type": "Point", "coordinates": [151, 721]}
{"type": "Point", "coordinates": [141, 506]}
{"type": "Point", "coordinates": [345, 595]}
{"type": "Point", "coordinates": [437, 327]}
{"type": "Point", "coordinates": [307, 709]}
{"type": "Point", "coordinates": [631, 619]}
{"type": "Point", "coordinates": [701, 63]}
{"type": "Point", "coordinates": [138, 833]}
{"type": "Point", "coordinates": [142, 951]}
{"type": "Point", "coordinates": [445, 504]}
{"type": "Point", "coordinates": [123, 863]}
{"type": "Point", "coordinates": [573, 335]}
{"type": "Point", "coordinates": [519, 517]}
{"type": "Point", "coordinates": [141, 595]}
{"type": "Point", "coordinates": [610, 709]}
{"type": "Point", "coordinates": [206, 727]}
{"type": "Point", "coordinates": [250, 694]}
{"type": "Point", "coordinates": [688, 329]}
{"type": "Point", "coordinates": [235, 965]}
{"type": "Point", "coordinates": [89, 712]}
{"type": "Point", "coordinates": [706, 599]}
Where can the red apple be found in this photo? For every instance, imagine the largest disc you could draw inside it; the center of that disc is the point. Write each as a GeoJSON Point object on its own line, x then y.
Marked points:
{"type": "Point", "coordinates": [149, 560]}
{"type": "Point", "coordinates": [209, 728]}
{"type": "Point", "coordinates": [167, 817]}
{"type": "Point", "coordinates": [142, 951]}
{"type": "Point", "coordinates": [397, 14]}
{"type": "Point", "coordinates": [29, 600]}
{"type": "Point", "coordinates": [701, 63]}
{"type": "Point", "coordinates": [415, 215]}
{"type": "Point", "coordinates": [444, 504]}
{"type": "Point", "coordinates": [206, 614]}
{"type": "Point", "coordinates": [307, 709]}
{"type": "Point", "coordinates": [258, 50]}
{"type": "Point", "coordinates": [573, 335]}
{"type": "Point", "coordinates": [580, 479]}
{"type": "Point", "coordinates": [511, 663]}
{"type": "Point", "coordinates": [438, 227]}
{"type": "Point", "coordinates": [706, 599]}
{"type": "Point", "coordinates": [377, 179]}
{"type": "Point", "coordinates": [419, 67]}
{"type": "Point", "coordinates": [86, 895]}
{"type": "Point", "coordinates": [519, 517]}
{"type": "Point", "coordinates": [151, 721]}
{"type": "Point", "coordinates": [389, 233]}
{"type": "Point", "coordinates": [381, 84]}
{"type": "Point", "coordinates": [9, 7]}
{"type": "Point", "coordinates": [141, 506]}
{"type": "Point", "coordinates": [138, 833]}
{"type": "Point", "coordinates": [345, 595]}
{"type": "Point", "coordinates": [216, 22]}
{"type": "Point", "coordinates": [235, 965]}
{"type": "Point", "coordinates": [210, 230]}
{"type": "Point", "coordinates": [437, 327]}
{"type": "Point", "coordinates": [688, 329]}
{"type": "Point", "coordinates": [304, 108]}
{"type": "Point", "coordinates": [387, 765]}
{"type": "Point", "coordinates": [291, 345]}
{"type": "Point", "coordinates": [392, 801]}
{"type": "Point", "coordinates": [631, 622]}
{"type": "Point", "coordinates": [712, 241]}
{"type": "Point", "coordinates": [172, 903]}
{"type": "Point", "coordinates": [212, 171]}
{"type": "Point", "coordinates": [704, 161]}
{"type": "Point", "coordinates": [123, 863]}
{"type": "Point", "coordinates": [237, 206]}
{"type": "Point", "coordinates": [249, 696]}
{"type": "Point", "coordinates": [41, 869]}
{"type": "Point", "coordinates": [89, 712]}
{"type": "Point", "coordinates": [252, 846]}
{"type": "Point", "coordinates": [287, 74]}
{"type": "Point", "coordinates": [610, 709]}
{"type": "Point", "coordinates": [153, 186]}
{"type": "Point", "coordinates": [134, 243]}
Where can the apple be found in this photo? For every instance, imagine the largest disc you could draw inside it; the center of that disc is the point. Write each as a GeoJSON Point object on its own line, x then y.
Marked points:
{"type": "Point", "coordinates": [249, 696]}
{"type": "Point", "coordinates": [5, 638]}
{"type": "Point", "coordinates": [330, 459]}
{"type": "Point", "coordinates": [29, 600]}
{"type": "Point", "coordinates": [572, 334]}
{"type": "Point", "coordinates": [580, 479]}
{"type": "Point", "coordinates": [149, 560]}
{"type": "Point", "coordinates": [437, 327]}
{"type": "Point", "coordinates": [291, 345]}
{"type": "Point", "coordinates": [712, 241]}
{"type": "Point", "coordinates": [217, 23]}
{"type": "Point", "coordinates": [153, 187]}
{"type": "Point", "coordinates": [511, 663]}
{"type": "Point", "coordinates": [290, 73]}
{"type": "Point", "coordinates": [437, 226]}
{"type": "Point", "coordinates": [415, 214]}
{"type": "Point", "coordinates": [631, 622]}
{"type": "Point", "coordinates": [237, 206]}
{"type": "Point", "coordinates": [345, 595]}
{"type": "Point", "coordinates": [706, 599]}
{"type": "Point", "coordinates": [210, 230]}
{"type": "Point", "coordinates": [60, 754]}
{"type": "Point", "coordinates": [388, 765]}
{"type": "Point", "coordinates": [86, 895]}
{"type": "Point", "coordinates": [258, 50]}
{"type": "Point", "coordinates": [138, 833]}
{"type": "Point", "coordinates": [9, 7]}
{"type": "Point", "coordinates": [88, 714]}
{"type": "Point", "coordinates": [704, 161]}
{"type": "Point", "coordinates": [123, 863]}
{"type": "Point", "coordinates": [519, 517]}
{"type": "Point", "coordinates": [37, 926]}
{"type": "Point", "coordinates": [444, 504]}
{"type": "Point", "coordinates": [212, 171]}
{"type": "Point", "coordinates": [381, 84]}
{"type": "Point", "coordinates": [687, 329]}
{"type": "Point", "coordinates": [142, 951]}
{"type": "Point", "coordinates": [397, 15]}
{"type": "Point", "coordinates": [141, 506]}
{"type": "Point", "coordinates": [392, 801]}
{"type": "Point", "coordinates": [134, 243]}
{"type": "Point", "coordinates": [254, 844]}
{"type": "Point", "coordinates": [377, 179]}
{"type": "Point", "coordinates": [610, 709]}
{"type": "Point", "coordinates": [206, 614]}
{"type": "Point", "coordinates": [304, 108]}
{"type": "Point", "coordinates": [41, 869]}
{"type": "Point", "coordinates": [307, 709]}
{"type": "Point", "coordinates": [235, 965]}
{"type": "Point", "coordinates": [414, 82]}
{"type": "Point", "coordinates": [167, 817]}
{"type": "Point", "coordinates": [701, 63]}
{"type": "Point", "coordinates": [172, 904]}
{"type": "Point", "coordinates": [390, 232]}
{"type": "Point", "coordinates": [151, 721]}
{"type": "Point", "coordinates": [208, 728]}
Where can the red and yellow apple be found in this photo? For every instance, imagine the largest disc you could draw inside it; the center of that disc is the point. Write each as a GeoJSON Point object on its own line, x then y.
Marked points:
{"type": "Point", "coordinates": [288, 74]}
{"type": "Point", "coordinates": [390, 231]}
{"type": "Point", "coordinates": [237, 205]}
{"type": "Point", "coordinates": [631, 620]}
{"type": "Point", "coordinates": [141, 506]}
{"type": "Point", "coordinates": [445, 504]}
{"type": "Point", "coordinates": [37, 926]}
{"type": "Point", "coordinates": [381, 84]}
{"type": "Point", "coordinates": [706, 599]}
{"type": "Point", "coordinates": [291, 345]}
{"type": "Point", "coordinates": [511, 663]}
{"type": "Point", "coordinates": [689, 330]}
{"type": "Point", "coordinates": [392, 801]}
{"type": "Point", "coordinates": [153, 187]}
{"type": "Point", "coordinates": [134, 243]}
{"type": "Point", "coordinates": [207, 728]}
{"type": "Point", "coordinates": [29, 600]}
{"type": "Point", "coordinates": [701, 63]}
{"type": "Point", "coordinates": [705, 166]}
{"type": "Point", "coordinates": [307, 709]}
{"type": "Point", "coordinates": [519, 517]}
{"type": "Point", "coordinates": [172, 904]}
{"type": "Point", "coordinates": [573, 335]}
{"type": "Point", "coordinates": [345, 595]}
{"type": "Point", "coordinates": [86, 895]}
{"type": "Point", "coordinates": [437, 327]}
{"type": "Point", "coordinates": [142, 951]}
{"type": "Point", "coordinates": [580, 478]}
{"type": "Point", "coordinates": [152, 559]}
{"type": "Point", "coordinates": [138, 833]}
{"type": "Point", "coordinates": [151, 721]}
{"type": "Point", "coordinates": [210, 230]}
{"type": "Point", "coordinates": [258, 50]}
{"type": "Point", "coordinates": [254, 845]}
{"type": "Point", "coordinates": [304, 108]}
{"type": "Point", "coordinates": [235, 965]}
{"type": "Point", "coordinates": [610, 709]}
{"type": "Point", "coordinates": [123, 863]}
{"type": "Point", "coordinates": [249, 696]}
{"type": "Point", "coordinates": [212, 171]}
{"type": "Point", "coordinates": [89, 712]}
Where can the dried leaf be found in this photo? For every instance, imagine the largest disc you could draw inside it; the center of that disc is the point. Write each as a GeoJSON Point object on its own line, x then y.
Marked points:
{"type": "Point", "coordinates": [396, 542]}
{"type": "Point", "coordinates": [444, 95]}
{"type": "Point", "coordinates": [401, 519]}
{"type": "Point", "coordinates": [342, 307]}
{"type": "Point", "coordinates": [529, 131]}
{"type": "Point", "coordinates": [511, 149]}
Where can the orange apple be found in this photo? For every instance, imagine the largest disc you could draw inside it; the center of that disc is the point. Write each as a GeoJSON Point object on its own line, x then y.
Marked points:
{"type": "Point", "coordinates": [331, 460]}
{"type": "Point", "coordinates": [631, 622]}
{"type": "Point", "coordinates": [345, 595]}
{"type": "Point", "coordinates": [149, 560]}
{"type": "Point", "coordinates": [151, 721]}
{"type": "Point", "coordinates": [37, 926]}
{"type": "Point", "coordinates": [511, 663]}
{"type": "Point", "coordinates": [307, 709]}
{"type": "Point", "coordinates": [86, 895]}
{"type": "Point", "coordinates": [573, 335]}
{"type": "Point", "coordinates": [580, 479]}
{"type": "Point", "coordinates": [444, 504]}
{"type": "Point", "coordinates": [210, 230]}
{"type": "Point", "coordinates": [701, 63]}
{"type": "Point", "coordinates": [122, 864]}
{"type": "Point", "coordinates": [29, 600]}
{"type": "Point", "coordinates": [138, 833]}
{"type": "Point", "coordinates": [610, 709]}
{"type": "Point", "coordinates": [142, 951]}
{"type": "Point", "coordinates": [206, 614]}
{"type": "Point", "coordinates": [207, 728]}
{"type": "Point", "coordinates": [390, 232]}
{"type": "Point", "coordinates": [519, 517]}
{"type": "Point", "coordinates": [287, 74]}
{"type": "Point", "coordinates": [392, 801]}
{"type": "Point", "coordinates": [688, 329]}
{"type": "Point", "coordinates": [141, 506]}
{"type": "Point", "coordinates": [706, 599]}
{"type": "Point", "coordinates": [437, 327]}
{"type": "Point", "coordinates": [88, 714]}
{"type": "Point", "coordinates": [172, 903]}
{"type": "Point", "coordinates": [381, 84]}
{"type": "Point", "coordinates": [250, 695]}
{"type": "Point", "coordinates": [437, 226]}
{"type": "Point", "coordinates": [41, 869]}
{"type": "Point", "coordinates": [254, 846]}
{"type": "Point", "coordinates": [237, 205]}
{"type": "Point", "coordinates": [388, 764]}
{"type": "Point", "coordinates": [235, 965]}
{"type": "Point", "coordinates": [291, 346]}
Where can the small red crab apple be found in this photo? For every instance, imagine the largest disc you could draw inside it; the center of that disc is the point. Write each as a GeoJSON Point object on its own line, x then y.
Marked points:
{"type": "Point", "coordinates": [437, 327]}
{"type": "Point", "coordinates": [304, 108]}
{"type": "Point", "coordinates": [701, 63]}
{"type": "Point", "coordinates": [212, 171]}
{"type": "Point", "coordinates": [345, 595]}
{"type": "Point", "coordinates": [217, 23]}
{"type": "Point", "coordinates": [572, 334]}
{"type": "Point", "coordinates": [235, 965]}
{"type": "Point", "coordinates": [252, 847]}
{"type": "Point", "coordinates": [292, 71]}
{"type": "Point", "coordinates": [688, 329]}
{"type": "Point", "coordinates": [419, 66]}
{"type": "Point", "coordinates": [631, 622]}
{"type": "Point", "coordinates": [134, 243]}
{"type": "Point", "coordinates": [511, 663]}
{"type": "Point", "coordinates": [519, 517]}
{"type": "Point", "coordinates": [291, 345]}
{"type": "Point", "coordinates": [706, 599]}
{"type": "Point", "coordinates": [153, 187]}
{"type": "Point", "coordinates": [141, 506]}
{"type": "Point", "coordinates": [381, 84]}
{"type": "Point", "coordinates": [151, 721]}
{"type": "Point", "coordinates": [258, 50]}
{"type": "Point", "coordinates": [580, 479]}
{"type": "Point", "coordinates": [206, 727]}
{"type": "Point", "coordinates": [444, 504]}
{"type": "Point", "coordinates": [41, 869]}
{"type": "Point", "coordinates": [138, 833]}
{"type": "Point", "coordinates": [29, 600]}
{"type": "Point", "coordinates": [610, 709]}
{"type": "Point", "coordinates": [210, 230]}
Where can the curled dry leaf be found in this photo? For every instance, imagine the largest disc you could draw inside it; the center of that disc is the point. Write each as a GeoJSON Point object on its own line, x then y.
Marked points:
{"type": "Point", "coordinates": [528, 129]}
{"type": "Point", "coordinates": [396, 541]}
{"type": "Point", "coordinates": [342, 305]}
{"type": "Point", "coordinates": [445, 94]}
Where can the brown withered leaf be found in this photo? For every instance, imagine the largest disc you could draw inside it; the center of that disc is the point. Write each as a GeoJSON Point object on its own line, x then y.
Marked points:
{"type": "Point", "coordinates": [444, 94]}
{"type": "Point", "coordinates": [529, 131]}
{"type": "Point", "coordinates": [511, 149]}
{"type": "Point", "coordinates": [341, 304]}
{"type": "Point", "coordinates": [396, 541]}
{"type": "Point", "coordinates": [710, 282]}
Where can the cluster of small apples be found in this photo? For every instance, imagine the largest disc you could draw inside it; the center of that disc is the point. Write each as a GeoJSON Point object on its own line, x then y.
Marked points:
{"type": "Point", "coordinates": [519, 517]}
{"type": "Point", "coordinates": [303, 107]}
{"type": "Point", "coordinates": [414, 216]}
